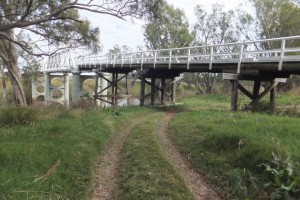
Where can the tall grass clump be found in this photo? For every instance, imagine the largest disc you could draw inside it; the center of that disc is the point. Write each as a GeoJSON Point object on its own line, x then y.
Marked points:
{"type": "Point", "coordinates": [12, 116]}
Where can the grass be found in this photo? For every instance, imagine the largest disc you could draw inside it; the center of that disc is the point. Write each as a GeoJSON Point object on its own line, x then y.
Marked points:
{"type": "Point", "coordinates": [54, 157]}
{"type": "Point", "coordinates": [146, 173]}
{"type": "Point", "coordinates": [227, 147]}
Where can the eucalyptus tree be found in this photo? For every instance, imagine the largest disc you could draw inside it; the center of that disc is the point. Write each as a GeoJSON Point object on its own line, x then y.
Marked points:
{"type": "Point", "coordinates": [215, 27]}
{"type": "Point", "coordinates": [54, 25]}
{"type": "Point", "coordinates": [277, 18]}
{"type": "Point", "coordinates": [168, 28]}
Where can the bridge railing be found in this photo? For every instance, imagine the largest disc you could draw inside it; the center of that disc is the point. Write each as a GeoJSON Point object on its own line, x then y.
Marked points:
{"type": "Point", "coordinates": [276, 50]}
{"type": "Point", "coordinates": [60, 62]}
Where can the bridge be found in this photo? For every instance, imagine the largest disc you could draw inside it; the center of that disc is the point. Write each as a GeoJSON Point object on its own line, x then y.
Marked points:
{"type": "Point", "coordinates": [272, 60]}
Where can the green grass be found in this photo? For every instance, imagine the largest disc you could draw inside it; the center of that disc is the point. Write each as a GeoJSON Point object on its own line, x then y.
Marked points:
{"type": "Point", "coordinates": [146, 173]}
{"type": "Point", "coordinates": [227, 146]}
{"type": "Point", "coordinates": [72, 140]}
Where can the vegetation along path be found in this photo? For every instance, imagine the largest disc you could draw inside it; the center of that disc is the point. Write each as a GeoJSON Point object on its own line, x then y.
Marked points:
{"type": "Point", "coordinates": [110, 164]}
{"type": "Point", "coordinates": [192, 179]}
{"type": "Point", "coordinates": [107, 169]}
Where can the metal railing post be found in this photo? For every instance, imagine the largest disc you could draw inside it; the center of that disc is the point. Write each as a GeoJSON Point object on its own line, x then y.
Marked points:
{"type": "Point", "coordinates": [188, 59]}
{"type": "Point", "coordinates": [122, 61]}
{"type": "Point", "coordinates": [114, 62]}
{"type": "Point", "coordinates": [131, 58]}
{"type": "Point", "coordinates": [211, 57]}
{"type": "Point", "coordinates": [155, 56]}
{"type": "Point", "coordinates": [240, 58]}
{"type": "Point", "coordinates": [170, 58]}
{"type": "Point", "coordinates": [142, 62]}
{"type": "Point", "coordinates": [281, 54]}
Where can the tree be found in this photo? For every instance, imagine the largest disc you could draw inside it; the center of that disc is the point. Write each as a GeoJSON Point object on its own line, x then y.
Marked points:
{"type": "Point", "coordinates": [272, 19]}
{"type": "Point", "coordinates": [277, 18]}
{"type": "Point", "coordinates": [54, 25]}
{"type": "Point", "coordinates": [168, 28]}
{"type": "Point", "coordinates": [216, 27]}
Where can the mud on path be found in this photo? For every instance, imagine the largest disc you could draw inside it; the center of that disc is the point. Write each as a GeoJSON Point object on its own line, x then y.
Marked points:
{"type": "Point", "coordinates": [106, 172]}
{"type": "Point", "coordinates": [192, 179]}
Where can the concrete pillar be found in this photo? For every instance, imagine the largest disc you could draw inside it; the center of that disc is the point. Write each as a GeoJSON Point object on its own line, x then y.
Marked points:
{"type": "Point", "coordinates": [76, 87]}
{"type": "Point", "coordinates": [47, 87]}
{"type": "Point", "coordinates": [66, 89]}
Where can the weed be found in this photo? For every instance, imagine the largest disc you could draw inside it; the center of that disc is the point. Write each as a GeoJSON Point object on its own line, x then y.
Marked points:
{"type": "Point", "coordinates": [12, 116]}
{"type": "Point", "coordinates": [243, 183]}
{"type": "Point", "coordinates": [282, 179]}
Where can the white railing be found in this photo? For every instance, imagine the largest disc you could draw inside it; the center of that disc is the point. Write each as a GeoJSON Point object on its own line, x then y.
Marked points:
{"type": "Point", "coordinates": [60, 62]}
{"type": "Point", "coordinates": [275, 50]}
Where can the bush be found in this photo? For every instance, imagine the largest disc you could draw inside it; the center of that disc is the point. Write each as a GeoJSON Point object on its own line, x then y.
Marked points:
{"type": "Point", "coordinates": [13, 116]}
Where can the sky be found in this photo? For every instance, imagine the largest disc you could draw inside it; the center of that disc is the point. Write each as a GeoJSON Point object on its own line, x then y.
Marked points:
{"type": "Point", "coordinates": [116, 31]}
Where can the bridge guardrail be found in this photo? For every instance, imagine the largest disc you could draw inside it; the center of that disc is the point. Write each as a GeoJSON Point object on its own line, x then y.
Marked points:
{"type": "Point", "coordinates": [278, 49]}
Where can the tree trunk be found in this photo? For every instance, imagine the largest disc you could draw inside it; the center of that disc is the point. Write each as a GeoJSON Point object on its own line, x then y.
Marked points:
{"type": "Point", "coordinates": [10, 59]}
{"type": "Point", "coordinates": [3, 81]}
{"type": "Point", "coordinates": [4, 90]}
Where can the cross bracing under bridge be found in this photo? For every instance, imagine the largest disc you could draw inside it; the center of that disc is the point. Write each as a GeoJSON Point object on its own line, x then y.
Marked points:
{"type": "Point", "coordinates": [261, 60]}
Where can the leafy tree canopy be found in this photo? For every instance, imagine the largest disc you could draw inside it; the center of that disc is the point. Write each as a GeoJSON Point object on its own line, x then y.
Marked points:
{"type": "Point", "coordinates": [167, 28]}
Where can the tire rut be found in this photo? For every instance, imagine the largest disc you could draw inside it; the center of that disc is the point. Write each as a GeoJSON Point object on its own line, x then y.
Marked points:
{"type": "Point", "coordinates": [192, 179]}
{"type": "Point", "coordinates": [106, 172]}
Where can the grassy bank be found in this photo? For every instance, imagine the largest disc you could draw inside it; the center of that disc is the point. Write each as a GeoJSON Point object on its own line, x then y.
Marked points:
{"type": "Point", "coordinates": [52, 155]}
{"type": "Point", "coordinates": [146, 173]}
{"type": "Point", "coordinates": [228, 147]}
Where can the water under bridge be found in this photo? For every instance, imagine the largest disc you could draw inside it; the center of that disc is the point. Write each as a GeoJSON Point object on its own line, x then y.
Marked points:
{"type": "Point", "coordinates": [270, 60]}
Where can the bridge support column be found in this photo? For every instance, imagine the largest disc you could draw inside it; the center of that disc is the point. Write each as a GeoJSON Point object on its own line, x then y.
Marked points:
{"type": "Point", "coordinates": [256, 96]}
{"type": "Point", "coordinates": [115, 95]}
{"type": "Point", "coordinates": [173, 92]}
{"type": "Point", "coordinates": [76, 87]}
{"type": "Point", "coordinates": [103, 88]}
{"type": "Point", "coordinates": [272, 97]}
{"type": "Point", "coordinates": [256, 88]}
{"type": "Point", "coordinates": [162, 94]}
{"type": "Point", "coordinates": [142, 94]}
{"type": "Point", "coordinates": [234, 95]}
{"type": "Point", "coordinates": [153, 91]}
{"type": "Point", "coordinates": [66, 89]}
{"type": "Point", "coordinates": [47, 87]}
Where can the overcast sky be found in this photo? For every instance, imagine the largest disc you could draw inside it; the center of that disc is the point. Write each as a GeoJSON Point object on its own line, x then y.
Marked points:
{"type": "Point", "coordinates": [115, 31]}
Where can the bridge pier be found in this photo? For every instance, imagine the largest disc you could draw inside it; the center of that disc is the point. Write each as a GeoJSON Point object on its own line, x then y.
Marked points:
{"type": "Point", "coordinates": [76, 87]}
{"type": "Point", "coordinates": [255, 96]}
{"type": "Point", "coordinates": [142, 92]}
{"type": "Point", "coordinates": [107, 84]}
{"type": "Point", "coordinates": [47, 87]}
{"type": "Point", "coordinates": [155, 90]}
{"type": "Point", "coordinates": [234, 95]}
{"type": "Point", "coordinates": [56, 93]}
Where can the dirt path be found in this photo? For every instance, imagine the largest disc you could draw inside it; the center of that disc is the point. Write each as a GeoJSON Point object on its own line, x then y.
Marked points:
{"type": "Point", "coordinates": [192, 179]}
{"type": "Point", "coordinates": [107, 169]}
